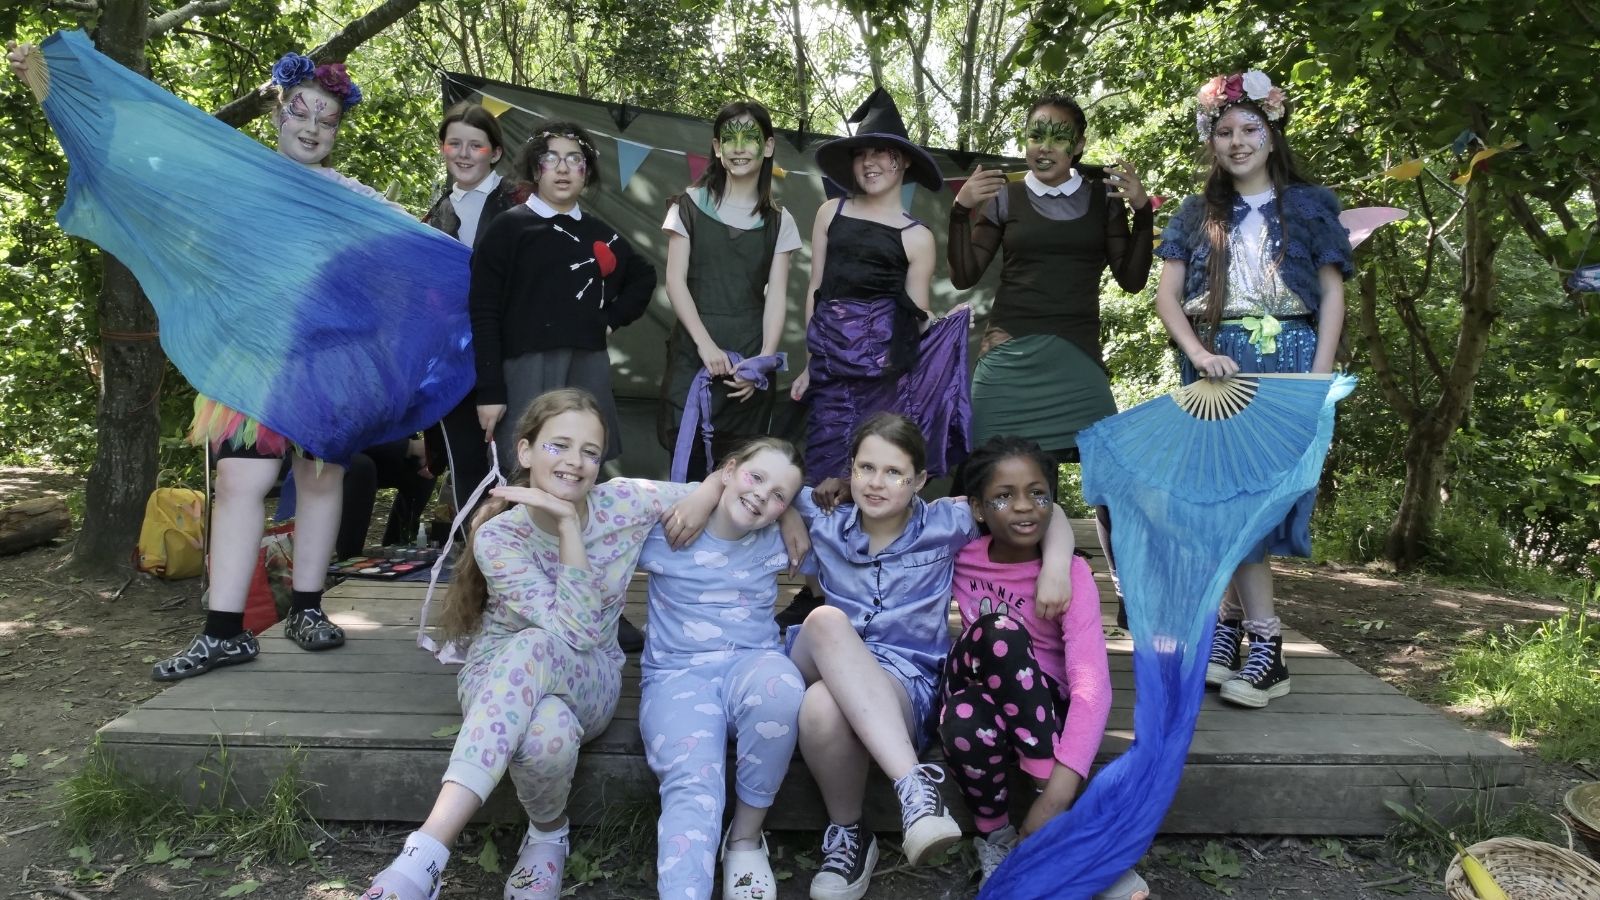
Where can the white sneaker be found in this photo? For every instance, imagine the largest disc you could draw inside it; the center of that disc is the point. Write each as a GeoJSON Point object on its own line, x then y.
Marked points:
{"type": "Point", "coordinates": [537, 875]}
{"type": "Point", "coordinates": [993, 850]}
{"type": "Point", "coordinates": [747, 874]}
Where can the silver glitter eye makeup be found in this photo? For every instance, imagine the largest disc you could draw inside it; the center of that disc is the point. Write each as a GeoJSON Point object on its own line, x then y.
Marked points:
{"type": "Point", "coordinates": [553, 449]}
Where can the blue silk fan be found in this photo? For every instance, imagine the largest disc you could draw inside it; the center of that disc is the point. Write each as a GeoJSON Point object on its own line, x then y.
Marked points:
{"type": "Point", "coordinates": [1194, 480]}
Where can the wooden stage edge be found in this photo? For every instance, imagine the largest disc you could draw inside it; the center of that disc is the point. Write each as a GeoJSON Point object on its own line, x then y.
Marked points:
{"type": "Point", "coordinates": [368, 728]}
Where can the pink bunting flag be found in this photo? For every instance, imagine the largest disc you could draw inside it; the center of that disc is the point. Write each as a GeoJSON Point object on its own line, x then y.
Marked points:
{"type": "Point", "coordinates": [955, 184]}
{"type": "Point", "coordinates": [697, 165]}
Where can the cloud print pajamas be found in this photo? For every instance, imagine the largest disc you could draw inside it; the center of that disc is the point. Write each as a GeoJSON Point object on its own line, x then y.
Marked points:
{"type": "Point", "coordinates": [544, 671]}
{"type": "Point", "coordinates": [712, 665]}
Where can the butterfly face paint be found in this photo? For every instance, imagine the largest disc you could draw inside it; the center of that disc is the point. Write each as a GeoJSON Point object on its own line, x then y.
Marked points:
{"type": "Point", "coordinates": [1242, 142]}
{"type": "Point", "coordinates": [308, 124]}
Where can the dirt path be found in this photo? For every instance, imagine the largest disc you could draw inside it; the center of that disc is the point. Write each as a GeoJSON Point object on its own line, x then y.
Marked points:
{"type": "Point", "coordinates": [75, 653]}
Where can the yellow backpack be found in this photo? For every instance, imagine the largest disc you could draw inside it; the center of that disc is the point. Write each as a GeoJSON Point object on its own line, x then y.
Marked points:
{"type": "Point", "coordinates": [170, 541]}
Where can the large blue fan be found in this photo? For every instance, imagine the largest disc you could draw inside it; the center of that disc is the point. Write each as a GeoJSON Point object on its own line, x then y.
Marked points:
{"type": "Point", "coordinates": [321, 314]}
{"type": "Point", "coordinates": [1194, 480]}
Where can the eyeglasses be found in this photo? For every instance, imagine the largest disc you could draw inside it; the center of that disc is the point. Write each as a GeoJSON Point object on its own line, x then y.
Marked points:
{"type": "Point", "coordinates": [1006, 501]}
{"type": "Point", "coordinates": [574, 160]}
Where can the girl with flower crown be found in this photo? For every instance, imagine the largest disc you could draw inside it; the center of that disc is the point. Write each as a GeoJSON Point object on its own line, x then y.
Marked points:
{"type": "Point", "coordinates": [1253, 281]}
{"type": "Point", "coordinates": [312, 102]}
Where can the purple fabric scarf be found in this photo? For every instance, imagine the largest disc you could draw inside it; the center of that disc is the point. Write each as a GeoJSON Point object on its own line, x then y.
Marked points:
{"type": "Point", "coordinates": [697, 406]}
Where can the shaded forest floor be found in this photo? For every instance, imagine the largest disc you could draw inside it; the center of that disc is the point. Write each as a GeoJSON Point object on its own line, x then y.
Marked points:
{"type": "Point", "coordinates": [75, 653]}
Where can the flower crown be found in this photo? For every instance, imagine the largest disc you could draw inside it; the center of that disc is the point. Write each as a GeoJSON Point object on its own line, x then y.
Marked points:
{"type": "Point", "coordinates": [293, 69]}
{"type": "Point", "coordinates": [569, 135]}
{"type": "Point", "coordinates": [1223, 92]}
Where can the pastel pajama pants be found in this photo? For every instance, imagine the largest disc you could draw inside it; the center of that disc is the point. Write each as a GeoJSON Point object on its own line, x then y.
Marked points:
{"type": "Point", "coordinates": [528, 700]}
{"type": "Point", "coordinates": [685, 716]}
{"type": "Point", "coordinates": [999, 710]}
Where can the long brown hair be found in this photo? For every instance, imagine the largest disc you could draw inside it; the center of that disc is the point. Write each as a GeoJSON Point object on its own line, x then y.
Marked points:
{"type": "Point", "coordinates": [469, 591]}
{"type": "Point", "coordinates": [1219, 196]}
{"type": "Point", "coordinates": [715, 178]}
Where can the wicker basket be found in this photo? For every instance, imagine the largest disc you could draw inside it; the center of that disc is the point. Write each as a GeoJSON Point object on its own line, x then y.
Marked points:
{"type": "Point", "coordinates": [1583, 813]}
{"type": "Point", "coordinates": [1527, 870]}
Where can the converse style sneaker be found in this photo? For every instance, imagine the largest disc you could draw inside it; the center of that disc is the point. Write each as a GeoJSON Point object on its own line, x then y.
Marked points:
{"type": "Point", "coordinates": [992, 851]}
{"type": "Point", "coordinates": [1264, 676]}
{"type": "Point", "coordinates": [1225, 659]}
{"type": "Point", "coordinates": [850, 855]}
{"type": "Point", "coordinates": [537, 875]}
{"type": "Point", "coordinates": [927, 826]}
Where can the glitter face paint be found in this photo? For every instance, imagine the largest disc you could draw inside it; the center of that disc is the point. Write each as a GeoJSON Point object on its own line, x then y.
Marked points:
{"type": "Point", "coordinates": [308, 123]}
{"type": "Point", "coordinates": [867, 473]}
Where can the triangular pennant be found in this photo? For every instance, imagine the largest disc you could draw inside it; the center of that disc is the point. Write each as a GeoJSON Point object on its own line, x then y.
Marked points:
{"type": "Point", "coordinates": [955, 184]}
{"type": "Point", "coordinates": [697, 165]}
{"type": "Point", "coordinates": [962, 158]}
{"type": "Point", "coordinates": [630, 156]}
{"type": "Point", "coordinates": [907, 191]}
{"type": "Point", "coordinates": [494, 105]}
{"type": "Point", "coordinates": [623, 115]}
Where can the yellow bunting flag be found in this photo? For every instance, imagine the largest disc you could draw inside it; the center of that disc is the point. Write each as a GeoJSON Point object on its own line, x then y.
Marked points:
{"type": "Point", "coordinates": [1484, 155]}
{"type": "Point", "coordinates": [1405, 171]}
{"type": "Point", "coordinates": [1017, 176]}
{"type": "Point", "coordinates": [495, 106]}
{"type": "Point", "coordinates": [779, 171]}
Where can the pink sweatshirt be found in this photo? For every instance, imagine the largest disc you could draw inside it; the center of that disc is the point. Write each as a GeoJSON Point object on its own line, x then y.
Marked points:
{"type": "Point", "coordinates": [1071, 650]}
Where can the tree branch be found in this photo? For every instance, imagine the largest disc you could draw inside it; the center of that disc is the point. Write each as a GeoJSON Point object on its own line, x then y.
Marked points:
{"type": "Point", "coordinates": [243, 109]}
{"type": "Point", "coordinates": [171, 19]}
{"type": "Point", "coordinates": [1377, 352]}
{"type": "Point", "coordinates": [83, 6]}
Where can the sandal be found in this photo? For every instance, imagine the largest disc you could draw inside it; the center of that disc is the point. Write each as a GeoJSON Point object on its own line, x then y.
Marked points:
{"type": "Point", "coordinates": [206, 653]}
{"type": "Point", "coordinates": [310, 629]}
{"type": "Point", "coordinates": [1128, 887]}
{"type": "Point", "coordinates": [747, 874]}
{"type": "Point", "coordinates": [394, 885]}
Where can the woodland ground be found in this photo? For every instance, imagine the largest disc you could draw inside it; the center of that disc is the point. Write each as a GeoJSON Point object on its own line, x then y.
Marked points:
{"type": "Point", "coordinates": [75, 653]}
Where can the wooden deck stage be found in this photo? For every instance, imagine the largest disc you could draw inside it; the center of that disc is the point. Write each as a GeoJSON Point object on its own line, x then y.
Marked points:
{"type": "Point", "coordinates": [364, 722]}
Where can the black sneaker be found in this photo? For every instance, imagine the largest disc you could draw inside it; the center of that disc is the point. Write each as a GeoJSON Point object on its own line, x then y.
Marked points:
{"type": "Point", "coordinates": [1225, 659]}
{"type": "Point", "coordinates": [850, 853]}
{"type": "Point", "coordinates": [801, 606]}
{"type": "Point", "coordinates": [629, 637]}
{"type": "Point", "coordinates": [1264, 676]}
{"type": "Point", "coordinates": [205, 653]}
{"type": "Point", "coordinates": [311, 629]}
{"type": "Point", "coordinates": [926, 824]}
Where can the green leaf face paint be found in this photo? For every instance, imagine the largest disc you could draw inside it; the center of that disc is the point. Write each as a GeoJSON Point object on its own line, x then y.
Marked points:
{"type": "Point", "coordinates": [738, 136]}
{"type": "Point", "coordinates": [1051, 135]}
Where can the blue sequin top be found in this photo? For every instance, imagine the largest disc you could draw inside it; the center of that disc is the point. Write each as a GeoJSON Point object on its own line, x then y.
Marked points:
{"type": "Point", "coordinates": [1310, 235]}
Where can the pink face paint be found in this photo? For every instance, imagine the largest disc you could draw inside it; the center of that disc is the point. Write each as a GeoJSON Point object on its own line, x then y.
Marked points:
{"type": "Point", "coordinates": [747, 478]}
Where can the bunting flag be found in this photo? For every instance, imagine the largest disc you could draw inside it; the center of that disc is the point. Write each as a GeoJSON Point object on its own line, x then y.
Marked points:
{"type": "Point", "coordinates": [630, 155]}
{"type": "Point", "coordinates": [907, 191]}
{"type": "Point", "coordinates": [494, 105]}
{"type": "Point", "coordinates": [697, 165]}
{"type": "Point", "coordinates": [956, 184]}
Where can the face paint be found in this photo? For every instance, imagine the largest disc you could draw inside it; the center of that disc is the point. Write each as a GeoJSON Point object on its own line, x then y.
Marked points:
{"type": "Point", "coordinates": [740, 135]}
{"type": "Point", "coordinates": [552, 449]}
{"type": "Point", "coordinates": [866, 473]}
{"type": "Point", "coordinates": [1045, 133]}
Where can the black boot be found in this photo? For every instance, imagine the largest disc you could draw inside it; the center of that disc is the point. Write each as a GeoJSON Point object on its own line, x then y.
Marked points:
{"type": "Point", "coordinates": [801, 606]}
{"type": "Point", "coordinates": [1264, 676]}
{"type": "Point", "coordinates": [629, 638]}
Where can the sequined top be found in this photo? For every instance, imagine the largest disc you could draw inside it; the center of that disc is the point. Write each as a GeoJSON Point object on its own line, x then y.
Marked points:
{"type": "Point", "coordinates": [1254, 287]}
{"type": "Point", "coordinates": [1307, 237]}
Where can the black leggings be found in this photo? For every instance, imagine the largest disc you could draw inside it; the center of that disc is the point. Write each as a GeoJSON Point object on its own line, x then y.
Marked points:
{"type": "Point", "coordinates": [999, 710]}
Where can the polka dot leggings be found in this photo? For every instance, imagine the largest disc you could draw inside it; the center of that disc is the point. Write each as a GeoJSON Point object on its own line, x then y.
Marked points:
{"type": "Point", "coordinates": [999, 711]}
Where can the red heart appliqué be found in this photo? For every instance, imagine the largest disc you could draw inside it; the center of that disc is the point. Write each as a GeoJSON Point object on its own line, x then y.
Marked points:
{"type": "Point", "coordinates": [605, 259]}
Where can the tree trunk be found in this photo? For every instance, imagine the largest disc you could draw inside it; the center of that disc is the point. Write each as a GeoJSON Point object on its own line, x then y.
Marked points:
{"type": "Point", "coordinates": [128, 419]}
{"type": "Point", "coordinates": [1429, 435]}
{"type": "Point", "coordinates": [802, 81]}
{"type": "Point", "coordinates": [969, 74]}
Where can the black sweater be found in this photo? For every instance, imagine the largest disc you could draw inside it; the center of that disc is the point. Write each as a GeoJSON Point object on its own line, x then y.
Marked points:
{"type": "Point", "coordinates": [537, 285]}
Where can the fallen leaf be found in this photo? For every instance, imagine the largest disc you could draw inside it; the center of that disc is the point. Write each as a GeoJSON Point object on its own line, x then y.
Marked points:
{"type": "Point", "coordinates": [447, 730]}
{"type": "Point", "coordinates": [242, 888]}
{"type": "Point", "coordinates": [19, 760]}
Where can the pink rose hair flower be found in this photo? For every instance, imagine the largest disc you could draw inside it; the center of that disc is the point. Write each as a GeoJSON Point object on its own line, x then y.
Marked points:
{"type": "Point", "coordinates": [1220, 93]}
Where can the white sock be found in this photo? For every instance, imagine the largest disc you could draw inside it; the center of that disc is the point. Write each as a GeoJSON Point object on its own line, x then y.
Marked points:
{"type": "Point", "coordinates": [422, 860]}
{"type": "Point", "coordinates": [536, 836]}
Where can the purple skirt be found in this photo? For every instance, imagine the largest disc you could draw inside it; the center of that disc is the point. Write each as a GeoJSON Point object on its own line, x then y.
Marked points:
{"type": "Point", "coordinates": [849, 342]}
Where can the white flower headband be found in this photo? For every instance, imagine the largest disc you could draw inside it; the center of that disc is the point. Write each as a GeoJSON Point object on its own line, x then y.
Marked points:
{"type": "Point", "coordinates": [1224, 91]}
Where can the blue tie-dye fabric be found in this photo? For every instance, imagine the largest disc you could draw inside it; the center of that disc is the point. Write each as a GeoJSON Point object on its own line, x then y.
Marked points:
{"type": "Point", "coordinates": [1189, 498]}
{"type": "Point", "coordinates": [330, 318]}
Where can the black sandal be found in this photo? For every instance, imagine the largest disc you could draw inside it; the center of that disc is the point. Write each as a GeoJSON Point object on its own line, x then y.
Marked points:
{"type": "Point", "coordinates": [310, 629]}
{"type": "Point", "coordinates": [206, 653]}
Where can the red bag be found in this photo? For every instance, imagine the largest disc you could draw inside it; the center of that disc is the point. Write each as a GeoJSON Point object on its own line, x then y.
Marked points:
{"type": "Point", "coordinates": [273, 583]}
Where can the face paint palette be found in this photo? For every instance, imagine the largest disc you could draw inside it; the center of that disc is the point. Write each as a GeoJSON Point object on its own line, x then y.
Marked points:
{"type": "Point", "coordinates": [385, 563]}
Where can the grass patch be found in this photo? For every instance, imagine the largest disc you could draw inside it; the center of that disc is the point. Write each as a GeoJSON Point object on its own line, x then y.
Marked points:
{"type": "Point", "coordinates": [101, 802]}
{"type": "Point", "coordinates": [1424, 839]}
{"type": "Point", "coordinates": [1542, 683]}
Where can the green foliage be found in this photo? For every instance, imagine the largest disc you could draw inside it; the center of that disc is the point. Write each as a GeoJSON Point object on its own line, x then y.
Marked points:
{"type": "Point", "coordinates": [1541, 683]}
{"type": "Point", "coordinates": [1425, 835]}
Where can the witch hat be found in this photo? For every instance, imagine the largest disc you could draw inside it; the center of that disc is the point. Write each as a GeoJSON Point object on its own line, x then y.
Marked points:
{"type": "Point", "coordinates": [878, 124]}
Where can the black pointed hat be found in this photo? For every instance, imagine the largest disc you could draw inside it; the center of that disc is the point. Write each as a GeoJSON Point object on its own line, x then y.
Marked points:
{"type": "Point", "coordinates": [878, 122]}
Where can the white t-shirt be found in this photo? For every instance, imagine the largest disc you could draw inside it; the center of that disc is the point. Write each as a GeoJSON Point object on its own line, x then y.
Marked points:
{"type": "Point", "coordinates": [468, 203]}
{"type": "Point", "coordinates": [737, 216]}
